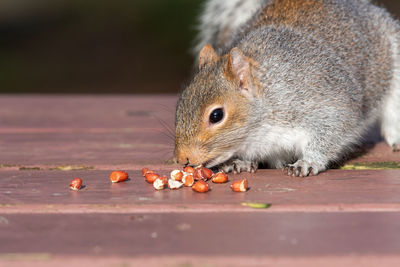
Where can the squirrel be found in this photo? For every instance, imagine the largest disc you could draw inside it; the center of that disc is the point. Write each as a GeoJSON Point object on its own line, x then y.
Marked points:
{"type": "Point", "coordinates": [293, 84]}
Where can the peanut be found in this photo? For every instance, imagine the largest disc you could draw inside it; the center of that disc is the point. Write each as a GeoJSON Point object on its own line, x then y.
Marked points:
{"type": "Point", "coordinates": [118, 176]}
{"type": "Point", "coordinates": [240, 185]}
{"type": "Point", "coordinates": [188, 179]}
{"type": "Point", "coordinates": [176, 175]}
{"type": "Point", "coordinates": [75, 184]}
{"type": "Point", "coordinates": [146, 171]}
{"type": "Point", "coordinates": [201, 186]}
{"type": "Point", "coordinates": [160, 183]}
{"type": "Point", "coordinates": [188, 169]}
{"type": "Point", "coordinates": [219, 178]}
{"type": "Point", "coordinates": [151, 177]}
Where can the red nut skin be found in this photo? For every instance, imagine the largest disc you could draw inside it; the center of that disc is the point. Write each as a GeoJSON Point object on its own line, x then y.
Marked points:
{"type": "Point", "coordinates": [207, 173]}
{"type": "Point", "coordinates": [151, 177]}
{"type": "Point", "coordinates": [146, 171]}
{"type": "Point", "coordinates": [75, 184]}
{"type": "Point", "coordinates": [189, 180]}
{"type": "Point", "coordinates": [188, 169]}
{"type": "Point", "coordinates": [201, 186]}
{"type": "Point", "coordinates": [198, 174]}
{"type": "Point", "coordinates": [178, 176]}
{"type": "Point", "coordinates": [164, 179]}
{"type": "Point", "coordinates": [240, 185]}
{"type": "Point", "coordinates": [118, 176]}
{"type": "Point", "coordinates": [219, 178]}
{"type": "Point", "coordinates": [202, 173]}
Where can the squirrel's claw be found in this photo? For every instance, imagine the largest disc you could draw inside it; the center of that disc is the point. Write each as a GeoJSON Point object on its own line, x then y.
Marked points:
{"type": "Point", "coordinates": [238, 166]}
{"type": "Point", "coordinates": [301, 168]}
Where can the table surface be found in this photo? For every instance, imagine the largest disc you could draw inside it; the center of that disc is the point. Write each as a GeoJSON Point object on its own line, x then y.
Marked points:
{"type": "Point", "coordinates": [342, 217]}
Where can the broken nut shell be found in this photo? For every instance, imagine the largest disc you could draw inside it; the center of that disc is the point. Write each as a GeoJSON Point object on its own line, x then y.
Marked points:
{"type": "Point", "coordinates": [207, 173]}
{"type": "Point", "coordinates": [198, 174]}
{"type": "Point", "coordinates": [172, 184]}
{"type": "Point", "coordinates": [202, 173]}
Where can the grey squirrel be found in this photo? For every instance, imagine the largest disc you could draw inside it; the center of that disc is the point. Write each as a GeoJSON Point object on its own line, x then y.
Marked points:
{"type": "Point", "coordinates": [290, 83]}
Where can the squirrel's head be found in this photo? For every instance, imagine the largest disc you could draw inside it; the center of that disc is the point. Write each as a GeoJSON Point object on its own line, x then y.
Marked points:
{"type": "Point", "coordinates": [214, 112]}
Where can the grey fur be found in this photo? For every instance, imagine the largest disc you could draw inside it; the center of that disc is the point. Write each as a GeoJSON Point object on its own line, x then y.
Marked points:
{"type": "Point", "coordinates": [221, 20]}
{"type": "Point", "coordinates": [327, 72]}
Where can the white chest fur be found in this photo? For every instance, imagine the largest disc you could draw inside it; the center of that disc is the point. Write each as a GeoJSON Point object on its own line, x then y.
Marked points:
{"type": "Point", "coordinates": [274, 145]}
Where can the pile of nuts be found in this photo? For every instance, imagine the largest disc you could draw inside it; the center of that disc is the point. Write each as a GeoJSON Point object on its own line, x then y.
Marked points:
{"type": "Point", "coordinates": [190, 177]}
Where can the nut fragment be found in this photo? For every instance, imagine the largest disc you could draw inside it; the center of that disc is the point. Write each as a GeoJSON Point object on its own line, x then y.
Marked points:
{"type": "Point", "coordinates": [151, 177]}
{"type": "Point", "coordinates": [146, 171]}
{"type": "Point", "coordinates": [172, 184]}
{"type": "Point", "coordinates": [118, 176]}
{"type": "Point", "coordinates": [75, 184]}
{"type": "Point", "coordinates": [201, 186]}
{"type": "Point", "coordinates": [188, 179]}
{"type": "Point", "coordinates": [198, 174]}
{"type": "Point", "coordinates": [188, 169]}
{"type": "Point", "coordinates": [240, 185]}
{"type": "Point", "coordinates": [160, 183]}
{"type": "Point", "coordinates": [219, 178]}
{"type": "Point", "coordinates": [207, 173]}
{"type": "Point", "coordinates": [202, 173]}
{"type": "Point", "coordinates": [176, 175]}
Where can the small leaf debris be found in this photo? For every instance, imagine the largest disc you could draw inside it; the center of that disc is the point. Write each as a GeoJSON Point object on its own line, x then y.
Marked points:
{"type": "Point", "coordinates": [388, 165]}
{"type": "Point", "coordinates": [71, 168]}
{"type": "Point", "coordinates": [256, 205]}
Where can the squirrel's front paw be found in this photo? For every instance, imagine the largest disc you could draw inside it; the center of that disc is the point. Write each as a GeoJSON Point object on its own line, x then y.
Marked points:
{"type": "Point", "coordinates": [302, 168]}
{"type": "Point", "coordinates": [238, 166]}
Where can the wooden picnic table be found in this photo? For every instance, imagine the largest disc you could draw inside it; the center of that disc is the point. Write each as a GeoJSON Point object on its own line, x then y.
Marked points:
{"type": "Point", "coordinates": [341, 217]}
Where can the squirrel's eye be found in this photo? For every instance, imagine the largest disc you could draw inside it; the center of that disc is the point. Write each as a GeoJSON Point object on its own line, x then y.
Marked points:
{"type": "Point", "coordinates": [216, 115]}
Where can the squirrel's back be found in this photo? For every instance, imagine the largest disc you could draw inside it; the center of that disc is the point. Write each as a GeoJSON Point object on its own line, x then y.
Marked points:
{"type": "Point", "coordinates": [362, 35]}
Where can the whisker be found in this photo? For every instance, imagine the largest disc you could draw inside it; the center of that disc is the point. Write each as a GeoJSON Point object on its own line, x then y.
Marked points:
{"type": "Point", "coordinates": [167, 108]}
{"type": "Point", "coordinates": [166, 153]}
{"type": "Point", "coordinates": [165, 134]}
{"type": "Point", "coordinates": [165, 125]}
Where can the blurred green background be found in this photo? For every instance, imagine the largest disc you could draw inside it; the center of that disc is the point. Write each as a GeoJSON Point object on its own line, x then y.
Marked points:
{"type": "Point", "coordinates": [99, 46]}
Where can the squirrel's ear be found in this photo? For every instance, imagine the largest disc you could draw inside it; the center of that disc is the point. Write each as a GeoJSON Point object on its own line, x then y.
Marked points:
{"type": "Point", "coordinates": [238, 67]}
{"type": "Point", "coordinates": [207, 56]}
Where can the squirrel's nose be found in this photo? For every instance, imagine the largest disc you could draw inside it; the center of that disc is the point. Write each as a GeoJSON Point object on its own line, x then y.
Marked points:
{"type": "Point", "coordinates": [188, 156]}
{"type": "Point", "coordinates": [181, 158]}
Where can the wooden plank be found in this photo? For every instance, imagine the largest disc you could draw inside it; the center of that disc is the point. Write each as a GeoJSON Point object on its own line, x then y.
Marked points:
{"type": "Point", "coordinates": [336, 187]}
{"type": "Point", "coordinates": [211, 234]}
